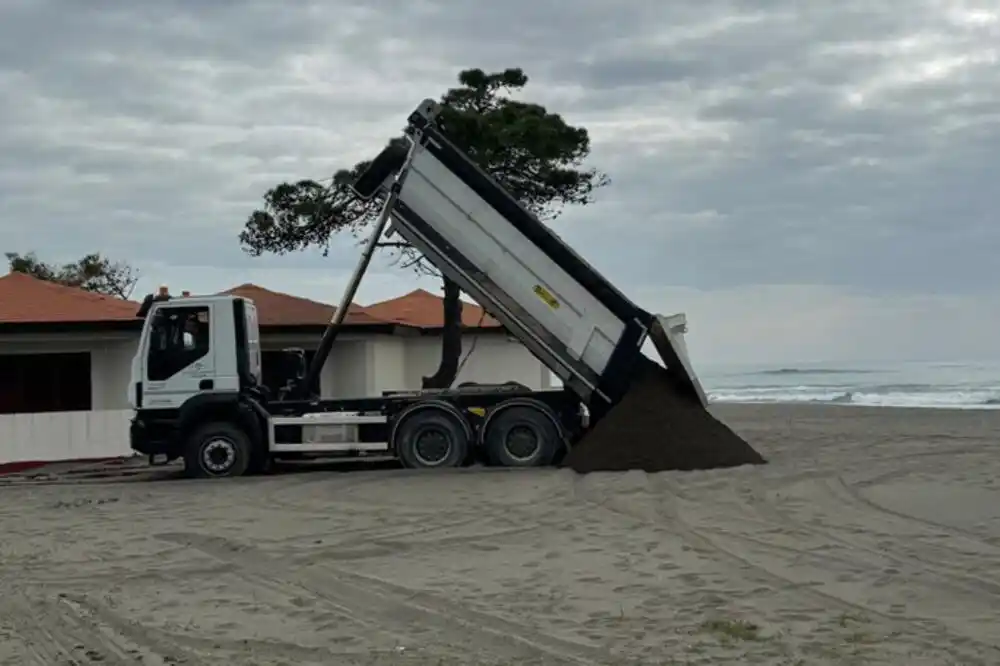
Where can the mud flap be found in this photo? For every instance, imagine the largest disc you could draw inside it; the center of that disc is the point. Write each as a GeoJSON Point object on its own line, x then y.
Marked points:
{"type": "Point", "coordinates": [667, 334]}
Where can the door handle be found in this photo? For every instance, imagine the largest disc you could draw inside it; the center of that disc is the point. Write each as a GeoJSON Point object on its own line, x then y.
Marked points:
{"type": "Point", "coordinates": [206, 385]}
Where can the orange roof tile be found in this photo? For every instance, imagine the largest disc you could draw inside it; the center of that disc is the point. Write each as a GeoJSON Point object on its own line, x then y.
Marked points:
{"type": "Point", "coordinates": [277, 309]}
{"type": "Point", "coordinates": [25, 299]}
{"type": "Point", "coordinates": [424, 309]}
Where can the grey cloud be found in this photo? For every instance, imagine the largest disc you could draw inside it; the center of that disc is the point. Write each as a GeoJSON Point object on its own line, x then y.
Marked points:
{"type": "Point", "coordinates": [787, 143]}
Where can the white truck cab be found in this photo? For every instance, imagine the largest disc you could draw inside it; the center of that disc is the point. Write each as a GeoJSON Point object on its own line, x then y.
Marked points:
{"type": "Point", "coordinates": [191, 345]}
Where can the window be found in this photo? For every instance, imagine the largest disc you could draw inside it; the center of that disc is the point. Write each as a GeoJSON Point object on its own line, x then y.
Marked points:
{"type": "Point", "coordinates": [177, 338]}
{"type": "Point", "coordinates": [276, 370]}
{"type": "Point", "coordinates": [38, 383]}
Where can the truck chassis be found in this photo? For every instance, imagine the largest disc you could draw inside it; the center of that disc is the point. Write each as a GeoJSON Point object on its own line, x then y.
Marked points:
{"type": "Point", "coordinates": [501, 425]}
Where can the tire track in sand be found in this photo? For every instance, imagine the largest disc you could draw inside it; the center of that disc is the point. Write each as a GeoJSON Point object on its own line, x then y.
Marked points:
{"type": "Point", "coordinates": [725, 546]}
{"type": "Point", "coordinates": [270, 493]}
{"type": "Point", "coordinates": [288, 497]}
{"type": "Point", "coordinates": [959, 638]}
{"type": "Point", "coordinates": [367, 545]}
{"type": "Point", "coordinates": [64, 630]}
{"type": "Point", "coordinates": [401, 611]}
{"type": "Point", "coordinates": [354, 542]}
{"type": "Point", "coordinates": [853, 494]}
{"type": "Point", "coordinates": [942, 571]}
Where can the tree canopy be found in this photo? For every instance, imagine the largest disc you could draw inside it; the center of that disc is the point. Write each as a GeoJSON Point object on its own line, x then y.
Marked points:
{"type": "Point", "coordinates": [532, 152]}
{"type": "Point", "coordinates": [92, 272]}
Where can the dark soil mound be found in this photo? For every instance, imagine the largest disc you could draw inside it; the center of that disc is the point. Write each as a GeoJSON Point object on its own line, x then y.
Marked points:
{"type": "Point", "coordinates": [655, 428]}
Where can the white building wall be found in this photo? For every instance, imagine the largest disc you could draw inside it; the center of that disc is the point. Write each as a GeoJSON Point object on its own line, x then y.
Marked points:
{"type": "Point", "coordinates": [387, 367]}
{"type": "Point", "coordinates": [358, 366]}
{"type": "Point", "coordinates": [100, 433]}
{"type": "Point", "coordinates": [111, 372]}
{"type": "Point", "coordinates": [494, 359]}
{"type": "Point", "coordinates": [345, 374]}
{"type": "Point", "coordinates": [110, 359]}
{"type": "Point", "coordinates": [64, 436]}
{"type": "Point", "coordinates": [362, 366]}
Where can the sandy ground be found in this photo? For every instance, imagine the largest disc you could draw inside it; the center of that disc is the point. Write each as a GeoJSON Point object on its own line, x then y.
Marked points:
{"type": "Point", "coordinates": [873, 537]}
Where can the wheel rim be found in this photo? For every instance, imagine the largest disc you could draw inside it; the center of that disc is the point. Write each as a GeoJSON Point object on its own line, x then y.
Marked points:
{"type": "Point", "coordinates": [522, 442]}
{"type": "Point", "coordinates": [432, 446]}
{"type": "Point", "coordinates": [218, 455]}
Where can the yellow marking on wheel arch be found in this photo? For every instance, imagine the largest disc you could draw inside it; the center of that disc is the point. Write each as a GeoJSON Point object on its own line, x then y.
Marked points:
{"type": "Point", "coordinates": [546, 296]}
{"type": "Point", "coordinates": [478, 411]}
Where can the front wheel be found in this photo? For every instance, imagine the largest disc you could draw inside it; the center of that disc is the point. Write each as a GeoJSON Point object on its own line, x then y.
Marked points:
{"type": "Point", "coordinates": [217, 449]}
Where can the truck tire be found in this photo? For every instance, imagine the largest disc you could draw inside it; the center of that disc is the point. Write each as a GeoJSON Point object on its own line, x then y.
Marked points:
{"type": "Point", "coordinates": [217, 449]}
{"type": "Point", "coordinates": [431, 438]}
{"type": "Point", "coordinates": [521, 436]}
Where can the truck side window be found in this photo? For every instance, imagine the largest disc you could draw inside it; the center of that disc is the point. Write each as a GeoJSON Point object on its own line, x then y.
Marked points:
{"type": "Point", "coordinates": [177, 338]}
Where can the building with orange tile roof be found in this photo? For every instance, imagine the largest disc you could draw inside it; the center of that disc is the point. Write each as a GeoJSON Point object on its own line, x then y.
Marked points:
{"type": "Point", "coordinates": [27, 300]}
{"type": "Point", "coordinates": [423, 309]}
{"type": "Point", "coordinates": [66, 352]}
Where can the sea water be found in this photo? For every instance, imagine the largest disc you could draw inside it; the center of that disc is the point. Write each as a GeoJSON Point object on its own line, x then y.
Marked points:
{"type": "Point", "coordinates": [969, 385]}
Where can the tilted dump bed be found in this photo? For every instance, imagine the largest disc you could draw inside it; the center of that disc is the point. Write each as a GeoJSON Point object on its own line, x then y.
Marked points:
{"type": "Point", "coordinates": [556, 304]}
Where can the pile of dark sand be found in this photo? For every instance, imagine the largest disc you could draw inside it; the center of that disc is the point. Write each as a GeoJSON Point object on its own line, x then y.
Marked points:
{"type": "Point", "coordinates": [657, 428]}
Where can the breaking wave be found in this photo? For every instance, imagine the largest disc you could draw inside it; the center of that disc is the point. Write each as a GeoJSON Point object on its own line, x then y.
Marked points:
{"type": "Point", "coordinates": [873, 396]}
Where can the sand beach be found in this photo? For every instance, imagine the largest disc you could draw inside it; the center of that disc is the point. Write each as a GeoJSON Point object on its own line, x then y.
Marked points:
{"type": "Point", "coordinates": [871, 537]}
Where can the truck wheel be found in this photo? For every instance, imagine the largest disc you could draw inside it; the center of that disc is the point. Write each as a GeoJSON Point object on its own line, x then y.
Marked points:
{"type": "Point", "coordinates": [431, 438]}
{"type": "Point", "coordinates": [521, 436]}
{"type": "Point", "coordinates": [217, 450]}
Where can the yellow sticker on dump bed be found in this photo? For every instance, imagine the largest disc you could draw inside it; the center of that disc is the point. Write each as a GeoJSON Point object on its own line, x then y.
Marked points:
{"type": "Point", "coordinates": [546, 296]}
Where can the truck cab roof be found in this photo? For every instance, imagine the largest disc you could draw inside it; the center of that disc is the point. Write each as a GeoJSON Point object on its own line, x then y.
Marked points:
{"type": "Point", "coordinates": [163, 296]}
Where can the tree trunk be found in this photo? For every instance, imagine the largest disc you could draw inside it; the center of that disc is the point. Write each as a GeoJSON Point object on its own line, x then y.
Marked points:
{"type": "Point", "coordinates": [451, 339]}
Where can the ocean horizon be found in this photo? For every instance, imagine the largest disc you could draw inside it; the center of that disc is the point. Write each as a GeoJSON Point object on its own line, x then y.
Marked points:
{"type": "Point", "coordinates": [954, 385]}
{"type": "Point", "coordinates": [925, 384]}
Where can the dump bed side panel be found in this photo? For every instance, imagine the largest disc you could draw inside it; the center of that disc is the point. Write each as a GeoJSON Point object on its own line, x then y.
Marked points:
{"type": "Point", "coordinates": [499, 274]}
{"type": "Point", "coordinates": [512, 262]}
{"type": "Point", "coordinates": [547, 348]}
{"type": "Point", "coordinates": [581, 333]}
{"type": "Point", "coordinates": [538, 234]}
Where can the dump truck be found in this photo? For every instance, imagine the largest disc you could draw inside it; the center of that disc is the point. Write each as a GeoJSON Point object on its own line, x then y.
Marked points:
{"type": "Point", "coordinates": [196, 387]}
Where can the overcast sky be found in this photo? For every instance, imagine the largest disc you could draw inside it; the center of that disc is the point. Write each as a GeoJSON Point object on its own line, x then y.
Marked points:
{"type": "Point", "coordinates": [806, 181]}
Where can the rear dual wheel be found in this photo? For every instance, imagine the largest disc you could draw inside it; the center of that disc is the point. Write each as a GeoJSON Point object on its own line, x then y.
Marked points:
{"type": "Point", "coordinates": [516, 435]}
{"type": "Point", "coordinates": [430, 438]}
{"type": "Point", "coordinates": [521, 436]}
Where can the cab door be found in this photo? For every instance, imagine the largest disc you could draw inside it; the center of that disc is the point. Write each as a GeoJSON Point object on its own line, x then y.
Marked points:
{"type": "Point", "coordinates": [180, 358]}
